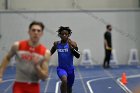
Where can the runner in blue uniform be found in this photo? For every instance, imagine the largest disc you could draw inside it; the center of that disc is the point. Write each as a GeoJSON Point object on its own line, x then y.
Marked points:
{"type": "Point", "coordinates": [66, 49]}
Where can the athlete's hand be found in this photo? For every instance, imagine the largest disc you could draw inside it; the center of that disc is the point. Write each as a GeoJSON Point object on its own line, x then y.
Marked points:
{"type": "Point", "coordinates": [108, 48]}
{"type": "Point", "coordinates": [71, 43]}
{"type": "Point", "coordinates": [1, 80]}
{"type": "Point", "coordinates": [35, 59]}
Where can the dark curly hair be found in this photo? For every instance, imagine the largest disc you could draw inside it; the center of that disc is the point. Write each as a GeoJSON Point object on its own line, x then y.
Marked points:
{"type": "Point", "coordinates": [61, 28]}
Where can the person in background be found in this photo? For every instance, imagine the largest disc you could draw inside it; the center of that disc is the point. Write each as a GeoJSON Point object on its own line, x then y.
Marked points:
{"type": "Point", "coordinates": [107, 46]}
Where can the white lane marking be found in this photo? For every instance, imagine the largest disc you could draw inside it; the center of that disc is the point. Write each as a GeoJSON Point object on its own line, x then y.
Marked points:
{"type": "Point", "coordinates": [89, 81]}
{"type": "Point", "coordinates": [57, 86]}
{"type": "Point", "coordinates": [48, 81]}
